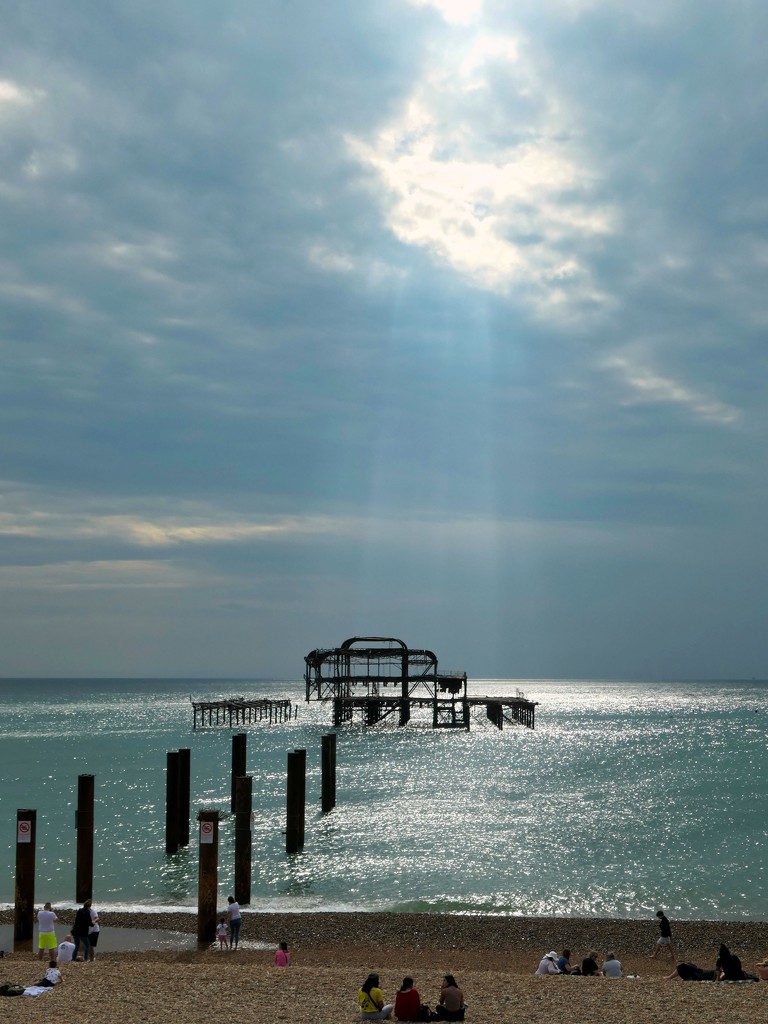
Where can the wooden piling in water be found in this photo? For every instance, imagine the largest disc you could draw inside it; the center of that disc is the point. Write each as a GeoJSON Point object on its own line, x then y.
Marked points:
{"type": "Point", "coordinates": [207, 875]}
{"type": "Point", "coordinates": [84, 827]}
{"type": "Point", "coordinates": [24, 904]}
{"type": "Point", "coordinates": [243, 839]}
{"type": "Point", "coordinates": [328, 773]}
{"type": "Point", "coordinates": [184, 795]}
{"type": "Point", "coordinates": [172, 802]}
{"type": "Point", "coordinates": [239, 741]}
{"type": "Point", "coordinates": [296, 801]}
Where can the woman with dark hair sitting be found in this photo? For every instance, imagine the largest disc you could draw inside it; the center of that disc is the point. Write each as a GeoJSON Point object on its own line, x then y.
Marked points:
{"type": "Point", "coordinates": [728, 966]}
{"type": "Point", "coordinates": [451, 1005]}
{"type": "Point", "coordinates": [371, 1000]}
{"type": "Point", "coordinates": [408, 1004]}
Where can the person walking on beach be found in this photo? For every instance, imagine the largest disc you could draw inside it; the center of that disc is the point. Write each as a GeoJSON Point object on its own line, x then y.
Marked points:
{"type": "Point", "coordinates": [371, 1000]}
{"type": "Point", "coordinates": [664, 940]}
{"type": "Point", "coordinates": [46, 932]}
{"type": "Point", "coordinates": [233, 916]}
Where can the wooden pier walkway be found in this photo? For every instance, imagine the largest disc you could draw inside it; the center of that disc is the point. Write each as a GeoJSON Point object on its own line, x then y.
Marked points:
{"type": "Point", "coordinates": [235, 711]}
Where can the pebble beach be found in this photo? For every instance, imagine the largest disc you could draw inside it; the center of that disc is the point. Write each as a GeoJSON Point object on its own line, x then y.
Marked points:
{"type": "Point", "coordinates": [493, 959]}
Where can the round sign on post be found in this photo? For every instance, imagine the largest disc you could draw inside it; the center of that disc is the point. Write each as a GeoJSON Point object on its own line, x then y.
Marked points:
{"type": "Point", "coordinates": [24, 832]}
{"type": "Point", "coordinates": [206, 832]}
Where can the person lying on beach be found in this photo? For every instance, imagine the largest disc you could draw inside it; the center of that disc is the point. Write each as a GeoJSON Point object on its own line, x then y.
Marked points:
{"type": "Point", "coordinates": [548, 964]}
{"type": "Point", "coordinates": [282, 956]}
{"type": "Point", "coordinates": [590, 968]}
{"type": "Point", "coordinates": [687, 971]}
{"type": "Point", "coordinates": [451, 1005]}
{"type": "Point", "coordinates": [612, 967]}
{"type": "Point", "coordinates": [564, 963]}
{"type": "Point", "coordinates": [371, 999]}
{"type": "Point", "coordinates": [408, 1004]}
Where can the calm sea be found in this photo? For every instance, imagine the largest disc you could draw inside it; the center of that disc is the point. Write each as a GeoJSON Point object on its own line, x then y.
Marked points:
{"type": "Point", "coordinates": [626, 797]}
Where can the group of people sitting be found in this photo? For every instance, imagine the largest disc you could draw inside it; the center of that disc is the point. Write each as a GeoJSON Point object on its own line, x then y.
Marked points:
{"type": "Point", "coordinates": [551, 963]}
{"type": "Point", "coordinates": [408, 1005]}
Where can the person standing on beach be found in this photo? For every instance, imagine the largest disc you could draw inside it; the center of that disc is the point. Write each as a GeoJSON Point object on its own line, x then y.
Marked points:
{"type": "Point", "coordinates": [233, 915]}
{"type": "Point", "coordinates": [95, 930]}
{"type": "Point", "coordinates": [46, 932]}
{"type": "Point", "coordinates": [664, 940]}
{"type": "Point", "coordinates": [80, 931]}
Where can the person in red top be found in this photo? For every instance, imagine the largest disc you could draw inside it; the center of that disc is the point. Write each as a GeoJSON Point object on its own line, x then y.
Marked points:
{"type": "Point", "coordinates": [408, 1005]}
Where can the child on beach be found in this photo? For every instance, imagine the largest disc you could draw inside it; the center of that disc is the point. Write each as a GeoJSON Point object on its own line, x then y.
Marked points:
{"type": "Point", "coordinates": [221, 933]}
{"type": "Point", "coordinates": [282, 956]}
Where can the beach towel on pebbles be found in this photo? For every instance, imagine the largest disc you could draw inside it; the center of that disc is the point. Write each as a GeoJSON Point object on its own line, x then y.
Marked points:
{"type": "Point", "coordinates": [37, 990]}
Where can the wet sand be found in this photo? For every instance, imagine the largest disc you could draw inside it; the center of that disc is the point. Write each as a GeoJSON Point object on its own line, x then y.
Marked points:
{"type": "Point", "coordinates": [492, 957]}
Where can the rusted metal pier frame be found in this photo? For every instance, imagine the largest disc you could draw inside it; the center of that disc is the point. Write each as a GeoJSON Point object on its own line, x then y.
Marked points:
{"type": "Point", "coordinates": [239, 711]}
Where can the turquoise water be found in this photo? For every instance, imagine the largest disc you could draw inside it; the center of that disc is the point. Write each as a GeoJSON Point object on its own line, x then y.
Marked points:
{"type": "Point", "coordinates": [626, 797]}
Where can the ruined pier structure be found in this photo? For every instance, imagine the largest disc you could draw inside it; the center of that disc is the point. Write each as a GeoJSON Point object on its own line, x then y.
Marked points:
{"type": "Point", "coordinates": [377, 678]}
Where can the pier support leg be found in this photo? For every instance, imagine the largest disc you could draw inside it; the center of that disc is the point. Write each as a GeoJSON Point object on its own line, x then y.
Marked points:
{"type": "Point", "coordinates": [243, 839]}
{"type": "Point", "coordinates": [208, 875]}
{"type": "Point", "coordinates": [239, 741]}
{"type": "Point", "coordinates": [84, 826]}
{"type": "Point", "coordinates": [185, 756]}
{"type": "Point", "coordinates": [296, 801]}
{"type": "Point", "coordinates": [24, 906]}
{"type": "Point", "coordinates": [328, 783]}
{"type": "Point", "coordinates": [172, 802]}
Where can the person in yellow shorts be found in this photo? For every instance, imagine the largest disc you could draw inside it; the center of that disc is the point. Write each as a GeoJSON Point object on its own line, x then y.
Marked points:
{"type": "Point", "coordinates": [46, 933]}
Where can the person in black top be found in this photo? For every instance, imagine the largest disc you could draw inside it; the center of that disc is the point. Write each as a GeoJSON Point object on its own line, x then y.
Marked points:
{"type": "Point", "coordinates": [589, 966]}
{"type": "Point", "coordinates": [728, 966]}
{"type": "Point", "coordinates": [664, 940]}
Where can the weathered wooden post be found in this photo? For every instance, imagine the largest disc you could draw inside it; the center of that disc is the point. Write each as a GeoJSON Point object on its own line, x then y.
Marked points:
{"type": "Point", "coordinates": [243, 842]}
{"type": "Point", "coordinates": [208, 875]}
{"type": "Point", "coordinates": [238, 764]}
{"type": "Point", "coordinates": [297, 786]}
{"type": "Point", "coordinates": [84, 827]}
{"type": "Point", "coordinates": [185, 755]}
{"type": "Point", "coordinates": [24, 907]}
{"type": "Point", "coordinates": [172, 802]}
{"type": "Point", "coordinates": [328, 776]}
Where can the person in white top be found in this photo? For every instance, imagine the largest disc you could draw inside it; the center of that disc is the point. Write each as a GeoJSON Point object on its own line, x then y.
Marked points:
{"type": "Point", "coordinates": [548, 965]}
{"type": "Point", "coordinates": [46, 932]}
{"type": "Point", "coordinates": [66, 950]}
{"type": "Point", "coordinates": [233, 916]}
{"type": "Point", "coordinates": [94, 930]}
{"type": "Point", "coordinates": [612, 967]}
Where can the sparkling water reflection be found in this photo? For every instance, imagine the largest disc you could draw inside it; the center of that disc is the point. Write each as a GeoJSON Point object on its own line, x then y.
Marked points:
{"type": "Point", "coordinates": [625, 797]}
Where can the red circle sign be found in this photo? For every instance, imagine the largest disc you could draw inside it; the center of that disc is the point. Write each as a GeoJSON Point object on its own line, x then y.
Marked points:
{"type": "Point", "coordinates": [24, 826]}
{"type": "Point", "coordinates": [206, 827]}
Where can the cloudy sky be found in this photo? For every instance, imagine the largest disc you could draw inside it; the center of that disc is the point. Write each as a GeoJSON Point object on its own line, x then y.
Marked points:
{"type": "Point", "coordinates": [440, 319]}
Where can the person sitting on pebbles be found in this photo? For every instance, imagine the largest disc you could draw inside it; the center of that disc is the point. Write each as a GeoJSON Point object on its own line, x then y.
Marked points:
{"type": "Point", "coordinates": [548, 964]}
{"type": "Point", "coordinates": [371, 999]}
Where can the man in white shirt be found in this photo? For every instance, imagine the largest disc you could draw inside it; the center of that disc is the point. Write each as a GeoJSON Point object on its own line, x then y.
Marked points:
{"type": "Point", "coordinates": [66, 950]}
{"type": "Point", "coordinates": [46, 932]}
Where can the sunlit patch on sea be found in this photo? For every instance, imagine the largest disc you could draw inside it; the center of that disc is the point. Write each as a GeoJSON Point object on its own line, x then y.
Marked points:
{"type": "Point", "coordinates": [626, 797]}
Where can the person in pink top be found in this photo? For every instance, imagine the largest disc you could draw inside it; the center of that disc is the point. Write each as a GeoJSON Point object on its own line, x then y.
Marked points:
{"type": "Point", "coordinates": [282, 956]}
